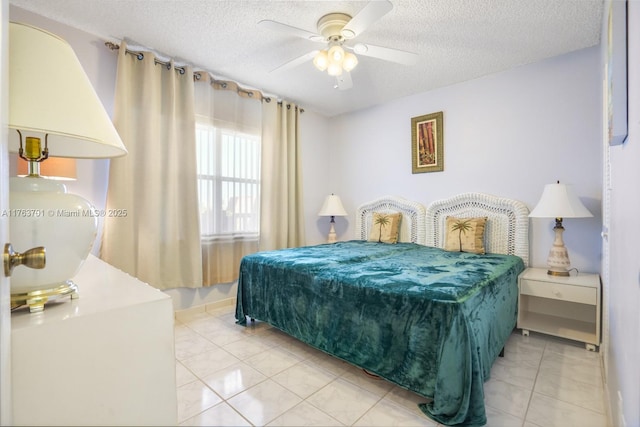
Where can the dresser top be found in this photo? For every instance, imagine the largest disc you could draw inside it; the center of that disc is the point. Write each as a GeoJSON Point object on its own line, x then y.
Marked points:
{"type": "Point", "coordinates": [101, 288]}
{"type": "Point", "coordinates": [581, 279]}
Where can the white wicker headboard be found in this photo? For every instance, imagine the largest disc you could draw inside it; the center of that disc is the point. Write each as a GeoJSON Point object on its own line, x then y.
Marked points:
{"type": "Point", "coordinates": [507, 229]}
{"type": "Point", "coordinates": [412, 226]}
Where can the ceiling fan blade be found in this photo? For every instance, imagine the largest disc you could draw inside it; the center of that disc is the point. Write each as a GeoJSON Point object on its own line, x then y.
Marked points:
{"type": "Point", "coordinates": [295, 62]}
{"type": "Point", "coordinates": [294, 31]}
{"type": "Point", "coordinates": [343, 81]}
{"type": "Point", "coordinates": [388, 54]}
{"type": "Point", "coordinates": [373, 11]}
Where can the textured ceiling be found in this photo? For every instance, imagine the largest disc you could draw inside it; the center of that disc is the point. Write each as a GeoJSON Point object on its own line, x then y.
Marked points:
{"type": "Point", "coordinates": [456, 40]}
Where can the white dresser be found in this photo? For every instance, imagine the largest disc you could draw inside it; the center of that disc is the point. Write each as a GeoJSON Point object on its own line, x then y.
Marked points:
{"type": "Point", "coordinates": [106, 358]}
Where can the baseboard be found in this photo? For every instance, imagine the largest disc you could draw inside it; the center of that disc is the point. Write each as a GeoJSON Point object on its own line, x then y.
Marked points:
{"type": "Point", "coordinates": [212, 306]}
{"type": "Point", "coordinates": [607, 395]}
{"type": "Point", "coordinates": [203, 308]}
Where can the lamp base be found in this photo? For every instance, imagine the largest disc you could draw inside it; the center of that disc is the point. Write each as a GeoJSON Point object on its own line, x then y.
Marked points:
{"type": "Point", "coordinates": [38, 298]}
{"type": "Point", "coordinates": [332, 237]}
{"type": "Point", "coordinates": [558, 260]}
{"type": "Point", "coordinates": [557, 273]}
{"type": "Point", "coordinates": [64, 224]}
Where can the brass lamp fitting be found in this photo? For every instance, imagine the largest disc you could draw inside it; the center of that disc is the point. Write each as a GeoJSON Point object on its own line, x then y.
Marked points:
{"type": "Point", "coordinates": [32, 153]}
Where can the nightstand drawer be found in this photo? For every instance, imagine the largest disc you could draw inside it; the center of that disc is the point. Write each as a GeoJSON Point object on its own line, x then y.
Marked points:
{"type": "Point", "coordinates": [579, 294]}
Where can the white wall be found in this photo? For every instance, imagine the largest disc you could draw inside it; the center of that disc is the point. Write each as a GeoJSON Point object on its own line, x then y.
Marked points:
{"type": "Point", "coordinates": [624, 287]}
{"type": "Point", "coordinates": [316, 174]}
{"type": "Point", "coordinates": [506, 134]}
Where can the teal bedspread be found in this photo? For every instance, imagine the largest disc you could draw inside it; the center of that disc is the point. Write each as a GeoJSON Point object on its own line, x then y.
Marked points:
{"type": "Point", "coordinates": [428, 320]}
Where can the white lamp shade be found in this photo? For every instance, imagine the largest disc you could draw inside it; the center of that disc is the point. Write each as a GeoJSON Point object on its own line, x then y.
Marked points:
{"type": "Point", "coordinates": [336, 54]}
{"type": "Point", "coordinates": [350, 61]}
{"type": "Point", "coordinates": [334, 68]}
{"type": "Point", "coordinates": [321, 60]}
{"type": "Point", "coordinates": [559, 201]}
{"type": "Point", "coordinates": [49, 93]}
{"type": "Point", "coordinates": [332, 207]}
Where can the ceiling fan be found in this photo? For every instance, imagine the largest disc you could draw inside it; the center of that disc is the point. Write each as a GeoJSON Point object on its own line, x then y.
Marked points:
{"type": "Point", "coordinates": [337, 30]}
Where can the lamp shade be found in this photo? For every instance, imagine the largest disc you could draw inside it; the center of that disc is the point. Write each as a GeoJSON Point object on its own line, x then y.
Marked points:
{"type": "Point", "coordinates": [559, 201]}
{"type": "Point", "coordinates": [50, 94]}
{"type": "Point", "coordinates": [350, 61]}
{"type": "Point", "coordinates": [321, 60]}
{"type": "Point", "coordinates": [332, 207]}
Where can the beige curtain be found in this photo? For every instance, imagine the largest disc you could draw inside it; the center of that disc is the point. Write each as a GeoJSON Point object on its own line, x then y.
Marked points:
{"type": "Point", "coordinates": [157, 237]}
{"type": "Point", "coordinates": [229, 129]}
{"type": "Point", "coordinates": [221, 259]}
{"type": "Point", "coordinates": [281, 209]}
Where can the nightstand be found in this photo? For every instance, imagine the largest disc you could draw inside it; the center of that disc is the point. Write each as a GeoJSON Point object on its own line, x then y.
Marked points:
{"type": "Point", "coordinates": [567, 307]}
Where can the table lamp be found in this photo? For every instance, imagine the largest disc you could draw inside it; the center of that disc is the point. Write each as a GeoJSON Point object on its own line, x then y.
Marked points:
{"type": "Point", "coordinates": [53, 111]}
{"type": "Point", "coordinates": [332, 207]}
{"type": "Point", "coordinates": [559, 201]}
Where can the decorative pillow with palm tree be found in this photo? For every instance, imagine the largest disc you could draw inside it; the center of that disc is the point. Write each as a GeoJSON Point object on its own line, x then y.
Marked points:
{"type": "Point", "coordinates": [465, 235]}
{"type": "Point", "coordinates": [385, 227]}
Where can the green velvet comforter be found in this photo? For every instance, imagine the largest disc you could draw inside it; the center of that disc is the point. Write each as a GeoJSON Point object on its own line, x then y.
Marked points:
{"type": "Point", "coordinates": [428, 320]}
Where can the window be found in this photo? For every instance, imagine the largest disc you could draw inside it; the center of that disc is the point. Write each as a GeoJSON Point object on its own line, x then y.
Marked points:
{"type": "Point", "coordinates": [228, 164]}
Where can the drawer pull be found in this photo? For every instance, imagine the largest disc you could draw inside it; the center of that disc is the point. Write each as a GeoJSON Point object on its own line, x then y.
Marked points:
{"type": "Point", "coordinates": [557, 293]}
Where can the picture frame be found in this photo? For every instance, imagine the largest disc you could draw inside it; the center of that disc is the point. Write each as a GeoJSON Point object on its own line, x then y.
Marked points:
{"type": "Point", "coordinates": [616, 73]}
{"type": "Point", "coordinates": [427, 148]}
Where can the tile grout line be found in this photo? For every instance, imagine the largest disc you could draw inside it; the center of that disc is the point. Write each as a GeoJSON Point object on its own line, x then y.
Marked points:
{"type": "Point", "coordinates": [572, 379]}
{"type": "Point", "coordinates": [533, 387]}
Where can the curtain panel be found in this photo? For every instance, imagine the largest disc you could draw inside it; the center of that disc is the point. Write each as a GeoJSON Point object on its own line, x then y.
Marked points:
{"type": "Point", "coordinates": [221, 259]}
{"type": "Point", "coordinates": [158, 241]}
{"type": "Point", "coordinates": [228, 123]}
{"type": "Point", "coordinates": [281, 208]}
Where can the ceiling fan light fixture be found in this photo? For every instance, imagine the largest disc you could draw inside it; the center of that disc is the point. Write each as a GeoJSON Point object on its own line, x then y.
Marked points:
{"type": "Point", "coordinates": [336, 54]}
{"type": "Point", "coordinates": [350, 61]}
{"type": "Point", "coordinates": [334, 29]}
{"type": "Point", "coordinates": [334, 68]}
{"type": "Point", "coordinates": [335, 60]}
{"type": "Point", "coordinates": [321, 60]}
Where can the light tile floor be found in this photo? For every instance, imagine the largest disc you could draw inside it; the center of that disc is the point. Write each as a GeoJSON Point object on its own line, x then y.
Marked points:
{"type": "Point", "coordinates": [229, 375]}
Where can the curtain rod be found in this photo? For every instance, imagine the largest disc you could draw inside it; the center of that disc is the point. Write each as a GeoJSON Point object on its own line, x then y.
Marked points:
{"type": "Point", "coordinates": [140, 56]}
{"type": "Point", "coordinates": [197, 76]}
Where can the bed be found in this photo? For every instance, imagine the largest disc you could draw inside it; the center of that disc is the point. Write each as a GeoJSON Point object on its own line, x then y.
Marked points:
{"type": "Point", "coordinates": [429, 320]}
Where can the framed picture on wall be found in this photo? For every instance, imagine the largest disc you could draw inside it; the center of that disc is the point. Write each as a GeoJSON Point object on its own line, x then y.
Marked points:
{"type": "Point", "coordinates": [427, 153]}
{"type": "Point", "coordinates": [616, 70]}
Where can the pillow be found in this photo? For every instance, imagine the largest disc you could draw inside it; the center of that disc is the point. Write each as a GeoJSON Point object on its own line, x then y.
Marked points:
{"type": "Point", "coordinates": [385, 227]}
{"type": "Point", "coordinates": [465, 235]}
